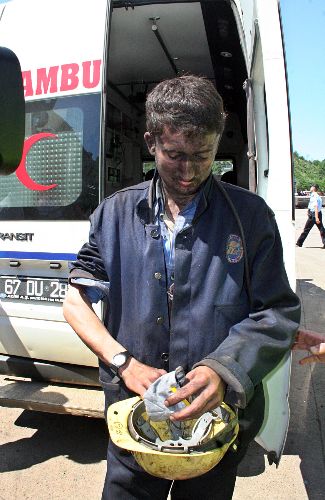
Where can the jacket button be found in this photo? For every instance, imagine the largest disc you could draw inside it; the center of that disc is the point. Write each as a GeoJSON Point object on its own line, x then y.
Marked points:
{"type": "Point", "coordinates": [158, 276]}
{"type": "Point", "coordinates": [165, 356]}
{"type": "Point", "coordinates": [154, 233]}
{"type": "Point", "coordinates": [160, 320]}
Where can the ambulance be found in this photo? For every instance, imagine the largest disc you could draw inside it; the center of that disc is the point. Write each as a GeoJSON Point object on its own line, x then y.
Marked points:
{"type": "Point", "coordinates": [86, 69]}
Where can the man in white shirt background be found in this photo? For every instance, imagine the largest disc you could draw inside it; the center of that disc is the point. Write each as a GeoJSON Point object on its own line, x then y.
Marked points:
{"type": "Point", "coordinates": [314, 216]}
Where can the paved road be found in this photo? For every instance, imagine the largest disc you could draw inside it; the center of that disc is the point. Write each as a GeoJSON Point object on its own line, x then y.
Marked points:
{"type": "Point", "coordinates": [48, 456]}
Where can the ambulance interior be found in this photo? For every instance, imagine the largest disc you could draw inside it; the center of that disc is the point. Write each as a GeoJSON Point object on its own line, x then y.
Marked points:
{"type": "Point", "coordinates": [149, 43]}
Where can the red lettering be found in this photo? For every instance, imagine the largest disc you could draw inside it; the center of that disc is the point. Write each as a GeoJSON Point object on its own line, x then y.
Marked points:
{"type": "Point", "coordinates": [46, 80]}
{"type": "Point", "coordinates": [27, 83]}
{"type": "Point", "coordinates": [69, 78]}
{"type": "Point", "coordinates": [88, 82]}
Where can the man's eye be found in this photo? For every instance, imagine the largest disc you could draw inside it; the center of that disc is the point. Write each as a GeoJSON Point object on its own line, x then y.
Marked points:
{"type": "Point", "coordinates": [201, 158]}
{"type": "Point", "coordinates": [174, 156]}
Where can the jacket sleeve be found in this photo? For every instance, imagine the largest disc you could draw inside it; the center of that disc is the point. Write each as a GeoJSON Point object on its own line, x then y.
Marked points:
{"type": "Point", "coordinates": [258, 343]}
{"type": "Point", "coordinates": [89, 263]}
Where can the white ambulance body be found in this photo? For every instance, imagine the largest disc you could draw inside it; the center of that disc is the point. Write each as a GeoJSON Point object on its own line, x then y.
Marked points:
{"type": "Point", "coordinates": [87, 67]}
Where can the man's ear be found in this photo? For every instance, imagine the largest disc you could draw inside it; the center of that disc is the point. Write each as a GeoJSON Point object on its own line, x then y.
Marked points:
{"type": "Point", "coordinates": [151, 143]}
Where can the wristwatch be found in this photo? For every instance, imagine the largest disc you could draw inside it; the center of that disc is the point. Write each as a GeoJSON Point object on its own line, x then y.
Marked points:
{"type": "Point", "coordinates": [119, 360]}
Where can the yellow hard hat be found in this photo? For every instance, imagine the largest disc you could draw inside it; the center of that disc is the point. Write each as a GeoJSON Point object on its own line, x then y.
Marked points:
{"type": "Point", "coordinates": [172, 450]}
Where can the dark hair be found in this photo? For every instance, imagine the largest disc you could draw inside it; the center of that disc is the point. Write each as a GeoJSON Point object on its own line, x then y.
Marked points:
{"type": "Point", "coordinates": [189, 104]}
{"type": "Point", "coordinates": [316, 186]}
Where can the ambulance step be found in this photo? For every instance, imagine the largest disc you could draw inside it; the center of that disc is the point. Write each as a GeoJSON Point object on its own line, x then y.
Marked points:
{"type": "Point", "coordinates": [51, 398]}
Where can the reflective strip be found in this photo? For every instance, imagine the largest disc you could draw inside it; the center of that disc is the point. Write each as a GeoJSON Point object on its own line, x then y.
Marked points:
{"type": "Point", "coordinates": [38, 255]}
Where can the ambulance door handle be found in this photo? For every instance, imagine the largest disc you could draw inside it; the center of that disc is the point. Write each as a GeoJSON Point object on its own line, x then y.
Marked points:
{"type": "Point", "coordinates": [55, 265]}
{"type": "Point", "coordinates": [14, 263]}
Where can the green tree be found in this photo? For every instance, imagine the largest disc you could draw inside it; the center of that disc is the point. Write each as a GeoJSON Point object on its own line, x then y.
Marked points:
{"type": "Point", "coordinates": [308, 172]}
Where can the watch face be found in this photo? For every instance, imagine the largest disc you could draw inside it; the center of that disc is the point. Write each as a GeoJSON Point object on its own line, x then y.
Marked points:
{"type": "Point", "coordinates": [120, 359]}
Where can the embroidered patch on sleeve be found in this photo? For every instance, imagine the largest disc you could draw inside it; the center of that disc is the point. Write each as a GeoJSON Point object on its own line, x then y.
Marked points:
{"type": "Point", "coordinates": [234, 250]}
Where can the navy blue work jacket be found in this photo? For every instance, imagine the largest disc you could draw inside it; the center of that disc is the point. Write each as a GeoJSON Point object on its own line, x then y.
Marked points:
{"type": "Point", "coordinates": [212, 321]}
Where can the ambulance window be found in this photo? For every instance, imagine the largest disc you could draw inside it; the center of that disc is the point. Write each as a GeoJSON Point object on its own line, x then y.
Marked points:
{"type": "Point", "coordinates": [220, 166]}
{"type": "Point", "coordinates": [58, 174]}
{"type": "Point", "coordinates": [148, 168]}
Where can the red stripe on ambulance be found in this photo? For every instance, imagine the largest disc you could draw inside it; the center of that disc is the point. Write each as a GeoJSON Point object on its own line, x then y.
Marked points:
{"type": "Point", "coordinates": [62, 78]}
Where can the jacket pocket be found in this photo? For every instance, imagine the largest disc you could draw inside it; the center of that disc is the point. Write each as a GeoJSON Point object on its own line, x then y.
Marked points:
{"type": "Point", "coordinates": [112, 391]}
{"type": "Point", "coordinates": [110, 386]}
{"type": "Point", "coordinates": [114, 388]}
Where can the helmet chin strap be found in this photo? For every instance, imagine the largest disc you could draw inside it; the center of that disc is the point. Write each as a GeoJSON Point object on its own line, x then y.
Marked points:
{"type": "Point", "coordinates": [199, 432]}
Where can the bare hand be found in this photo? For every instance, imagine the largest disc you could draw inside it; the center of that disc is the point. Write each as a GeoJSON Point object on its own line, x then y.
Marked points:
{"type": "Point", "coordinates": [313, 342]}
{"type": "Point", "coordinates": [317, 221]}
{"type": "Point", "coordinates": [138, 376]}
{"type": "Point", "coordinates": [208, 389]}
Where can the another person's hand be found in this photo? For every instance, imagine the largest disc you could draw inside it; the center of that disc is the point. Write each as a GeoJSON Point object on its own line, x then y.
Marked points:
{"type": "Point", "coordinates": [313, 342]}
{"type": "Point", "coordinates": [207, 388]}
{"type": "Point", "coordinates": [138, 376]}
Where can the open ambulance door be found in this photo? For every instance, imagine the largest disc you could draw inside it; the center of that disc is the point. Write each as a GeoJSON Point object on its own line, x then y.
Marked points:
{"type": "Point", "coordinates": [12, 112]}
{"type": "Point", "coordinates": [268, 131]}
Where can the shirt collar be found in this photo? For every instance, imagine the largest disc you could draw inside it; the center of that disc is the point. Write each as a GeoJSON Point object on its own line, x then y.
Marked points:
{"type": "Point", "coordinates": [199, 201]}
{"type": "Point", "coordinates": [148, 201]}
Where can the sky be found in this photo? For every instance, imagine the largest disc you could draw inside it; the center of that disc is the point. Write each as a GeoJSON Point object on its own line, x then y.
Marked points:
{"type": "Point", "coordinates": [304, 38]}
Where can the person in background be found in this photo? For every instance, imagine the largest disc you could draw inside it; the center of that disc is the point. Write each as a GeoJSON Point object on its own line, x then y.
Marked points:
{"type": "Point", "coordinates": [230, 177]}
{"type": "Point", "coordinates": [149, 175]}
{"type": "Point", "coordinates": [314, 216]}
{"type": "Point", "coordinates": [313, 342]}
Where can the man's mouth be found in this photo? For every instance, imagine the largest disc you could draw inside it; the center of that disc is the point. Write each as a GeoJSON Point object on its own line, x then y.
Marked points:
{"type": "Point", "coordinates": [186, 182]}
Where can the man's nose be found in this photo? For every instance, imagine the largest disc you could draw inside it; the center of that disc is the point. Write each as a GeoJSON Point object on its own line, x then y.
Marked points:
{"type": "Point", "coordinates": [188, 165]}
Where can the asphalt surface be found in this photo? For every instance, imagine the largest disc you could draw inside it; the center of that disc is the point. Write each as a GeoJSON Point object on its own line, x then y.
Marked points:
{"type": "Point", "coordinates": [49, 456]}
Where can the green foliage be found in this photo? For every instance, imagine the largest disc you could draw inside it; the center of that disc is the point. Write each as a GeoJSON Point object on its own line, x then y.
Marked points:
{"type": "Point", "coordinates": [308, 172]}
{"type": "Point", "coordinates": [221, 166]}
{"type": "Point", "coordinates": [148, 165]}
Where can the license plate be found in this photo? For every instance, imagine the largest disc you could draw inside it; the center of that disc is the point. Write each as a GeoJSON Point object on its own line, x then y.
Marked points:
{"type": "Point", "coordinates": [35, 289]}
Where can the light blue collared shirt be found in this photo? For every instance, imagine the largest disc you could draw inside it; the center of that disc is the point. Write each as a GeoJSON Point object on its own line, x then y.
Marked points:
{"type": "Point", "coordinates": [315, 200]}
{"type": "Point", "coordinates": [183, 220]}
{"type": "Point", "coordinates": [97, 290]}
